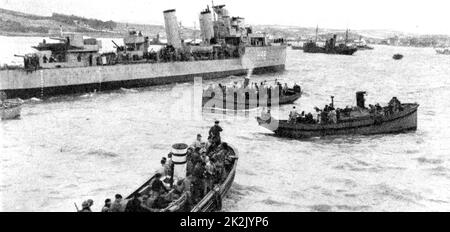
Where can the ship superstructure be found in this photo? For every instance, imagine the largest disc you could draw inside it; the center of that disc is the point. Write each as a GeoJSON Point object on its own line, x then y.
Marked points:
{"type": "Point", "coordinates": [71, 51]}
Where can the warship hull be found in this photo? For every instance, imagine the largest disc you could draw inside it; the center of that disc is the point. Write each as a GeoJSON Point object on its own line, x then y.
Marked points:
{"type": "Point", "coordinates": [50, 82]}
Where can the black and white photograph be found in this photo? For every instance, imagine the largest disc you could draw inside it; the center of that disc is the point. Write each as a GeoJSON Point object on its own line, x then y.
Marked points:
{"type": "Point", "coordinates": [224, 106]}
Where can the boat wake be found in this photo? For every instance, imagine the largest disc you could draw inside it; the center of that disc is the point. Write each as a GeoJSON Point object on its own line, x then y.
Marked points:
{"type": "Point", "coordinates": [34, 99]}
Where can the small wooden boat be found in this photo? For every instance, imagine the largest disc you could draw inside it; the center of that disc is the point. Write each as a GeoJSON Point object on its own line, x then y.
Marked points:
{"type": "Point", "coordinates": [296, 47]}
{"type": "Point", "coordinates": [367, 123]}
{"type": "Point", "coordinates": [245, 102]}
{"type": "Point", "coordinates": [212, 201]}
{"type": "Point", "coordinates": [10, 109]}
{"type": "Point", "coordinates": [397, 57]}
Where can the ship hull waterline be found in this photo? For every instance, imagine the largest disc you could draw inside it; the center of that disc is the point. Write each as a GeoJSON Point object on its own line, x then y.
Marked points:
{"type": "Point", "coordinates": [44, 83]}
{"type": "Point", "coordinates": [134, 83]}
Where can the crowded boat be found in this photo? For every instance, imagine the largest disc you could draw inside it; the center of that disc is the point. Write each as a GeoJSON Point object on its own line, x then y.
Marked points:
{"type": "Point", "coordinates": [249, 95]}
{"type": "Point", "coordinates": [190, 178]}
{"type": "Point", "coordinates": [330, 120]}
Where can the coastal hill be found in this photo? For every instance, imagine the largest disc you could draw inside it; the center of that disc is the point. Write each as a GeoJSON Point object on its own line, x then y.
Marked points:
{"type": "Point", "coordinates": [13, 23]}
{"type": "Point", "coordinates": [16, 23]}
{"type": "Point", "coordinates": [387, 37]}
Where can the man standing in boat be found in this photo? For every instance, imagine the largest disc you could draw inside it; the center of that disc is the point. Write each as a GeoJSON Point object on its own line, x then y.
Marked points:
{"type": "Point", "coordinates": [214, 134]}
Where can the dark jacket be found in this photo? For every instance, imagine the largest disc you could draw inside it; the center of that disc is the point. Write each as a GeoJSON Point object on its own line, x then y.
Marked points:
{"type": "Point", "coordinates": [215, 131]}
{"type": "Point", "coordinates": [134, 205]}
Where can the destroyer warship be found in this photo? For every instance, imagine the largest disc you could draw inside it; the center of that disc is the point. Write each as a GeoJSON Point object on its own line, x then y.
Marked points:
{"type": "Point", "coordinates": [75, 65]}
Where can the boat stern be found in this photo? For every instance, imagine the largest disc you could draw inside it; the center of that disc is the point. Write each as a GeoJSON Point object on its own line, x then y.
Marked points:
{"type": "Point", "coordinates": [271, 123]}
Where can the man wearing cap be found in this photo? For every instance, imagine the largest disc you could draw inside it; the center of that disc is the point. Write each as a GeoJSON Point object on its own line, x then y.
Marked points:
{"type": "Point", "coordinates": [118, 205]}
{"type": "Point", "coordinates": [214, 133]}
{"type": "Point", "coordinates": [163, 169]}
{"type": "Point", "coordinates": [198, 142]}
{"type": "Point", "coordinates": [86, 206]}
{"type": "Point", "coordinates": [293, 115]}
{"type": "Point", "coordinates": [107, 206]}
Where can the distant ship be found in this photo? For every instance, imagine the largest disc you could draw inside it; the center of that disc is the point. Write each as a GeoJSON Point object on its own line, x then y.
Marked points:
{"type": "Point", "coordinates": [330, 47]}
{"type": "Point", "coordinates": [443, 51]}
{"type": "Point", "coordinates": [361, 44]}
{"type": "Point", "coordinates": [75, 65]}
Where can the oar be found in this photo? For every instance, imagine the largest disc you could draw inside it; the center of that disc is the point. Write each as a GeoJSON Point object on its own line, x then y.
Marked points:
{"type": "Point", "coordinates": [78, 210]}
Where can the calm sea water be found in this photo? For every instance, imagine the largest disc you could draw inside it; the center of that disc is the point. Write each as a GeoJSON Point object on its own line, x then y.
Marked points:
{"type": "Point", "coordinates": [68, 149]}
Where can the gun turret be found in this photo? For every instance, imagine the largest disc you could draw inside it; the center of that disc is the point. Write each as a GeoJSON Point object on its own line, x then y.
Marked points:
{"type": "Point", "coordinates": [119, 48]}
{"type": "Point", "coordinates": [115, 44]}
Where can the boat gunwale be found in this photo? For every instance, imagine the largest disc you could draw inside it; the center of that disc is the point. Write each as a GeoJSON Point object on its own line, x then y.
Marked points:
{"type": "Point", "coordinates": [223, 189]}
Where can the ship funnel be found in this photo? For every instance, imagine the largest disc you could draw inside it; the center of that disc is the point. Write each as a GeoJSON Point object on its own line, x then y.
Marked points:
{"type": "Point", "coordinates": [179, 158]}
{"type": "Point", "coordinates": [360, 101]}
{"type": "Point", "coordinates": [172, 30]}
{"type": "Point", "coordinates": [206, 25]}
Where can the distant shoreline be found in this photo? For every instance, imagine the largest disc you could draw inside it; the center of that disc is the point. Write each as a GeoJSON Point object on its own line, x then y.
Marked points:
{"type": "Point", "coordinates": [31, 34]}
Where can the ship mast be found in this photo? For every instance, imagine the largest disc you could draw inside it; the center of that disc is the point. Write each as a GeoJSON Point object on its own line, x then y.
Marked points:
{"type": "Point", "coordinates": [317, 32]}
{"type": "Point", "coordinates": [346, 37]}
{"type": "Point", "coordinates": [213, 12]}
{"type": "Point", "coordinates": [195, 34]}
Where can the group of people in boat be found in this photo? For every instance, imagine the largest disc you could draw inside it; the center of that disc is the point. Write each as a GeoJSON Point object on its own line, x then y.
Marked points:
{"type": "Point", "coordinates": [330, 115]}
{"type": "Point", "coordinates": [294, 116]}
{"type": "Point", "coordinates": [254, 88]}
{"type": "Point", "coordinates": [208, 164]}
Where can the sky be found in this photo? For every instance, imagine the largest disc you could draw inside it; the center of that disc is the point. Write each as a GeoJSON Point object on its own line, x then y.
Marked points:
{"type": "Point", "coordinates": [415, 16]}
